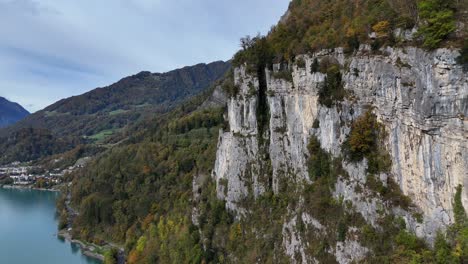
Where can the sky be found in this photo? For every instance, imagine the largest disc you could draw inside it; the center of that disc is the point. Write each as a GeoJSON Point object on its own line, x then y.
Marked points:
{"type": "Point", "coordinates": [53, 49]}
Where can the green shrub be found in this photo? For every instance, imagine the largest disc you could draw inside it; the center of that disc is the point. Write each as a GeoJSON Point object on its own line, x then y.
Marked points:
{"type": "Point", "coordinates": [352, 43]}
{"type": "Point", "coordinates": [110, 256]}
{"type": "Point", "coordinates": [366, 140]}
{"type": "Point", "coordinates": [229, 87]}
{"type": "Point", "coordinates": [315, 66]}
{"type": "Point", "coordinates": [342, 230]}
{"type": "Point", "coordinates": [301, 63]}
{"type": "Point", "coordinates": [382, 28]}
{"type": "Point", "coordinates": [283, 75]}
{"type": "Point", "coordinates": [463, 58]}
{"type": "Point", "coordinates": [63, 220]}
{"type": "Point", "coordinates": [316, 123]}
{"type": "Point", "coordinates": [458, 209]}
{"type": "Point", "coordinates": [454, 247]}
{"type": "Point", "coordinates": [328, 64]}
{"type": "Point", "coordinates": [363, 137]}
{"type": "Point", "coordinates": [408, 240]}
{"type": "Point", "coordinates": [375, 45]}
{"type": "Point", "coordinates": [256, 53]}
{"type": "Point", "coordinates": [332, 91]}
{"type": "Point", "coordinates": [438, 21]}
{"type": "Point", "coordinates": [379, 161]}
{"type": "Point", "coordinates": [319, 161]}
{"type": "Point", "coordinates": [443, 251]}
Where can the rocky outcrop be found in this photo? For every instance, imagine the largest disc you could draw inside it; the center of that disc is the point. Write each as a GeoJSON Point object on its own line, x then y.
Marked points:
{"type": "Point", "coordinates": [422, 99]}
{"type": "Point", "coordinates": [217, 99]}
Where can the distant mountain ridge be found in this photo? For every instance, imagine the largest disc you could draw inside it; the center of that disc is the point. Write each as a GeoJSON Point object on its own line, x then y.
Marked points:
{"type": "Point", "coordinates": [10, 112]}
{"type": "Point", "coordinates": [95, 115]}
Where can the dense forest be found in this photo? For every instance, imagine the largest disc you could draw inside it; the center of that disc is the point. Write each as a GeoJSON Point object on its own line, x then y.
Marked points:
{"type": "Point", "coordinates": [310, 25]}
{"type": "Point", "coordinates": [147, 185]}
{"type": "Point", "coordinates": [33, 143]}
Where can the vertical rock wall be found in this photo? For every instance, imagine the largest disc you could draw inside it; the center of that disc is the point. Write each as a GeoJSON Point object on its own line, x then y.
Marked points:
{"type": "Point", "coordinates": [421, 97]}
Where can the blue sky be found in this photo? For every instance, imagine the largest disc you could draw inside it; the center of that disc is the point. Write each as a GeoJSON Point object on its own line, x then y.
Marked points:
{"type": "Point", "coordinates": [52, 49]}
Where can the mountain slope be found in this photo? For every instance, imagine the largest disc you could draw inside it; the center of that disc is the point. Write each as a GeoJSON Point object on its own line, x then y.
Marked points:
{"type": "Point", "coordinates": [10, 112]}
{"type": "Point", "coordinates": [121, 103]}
{"type": "Point", "coordinates": [95, 115]}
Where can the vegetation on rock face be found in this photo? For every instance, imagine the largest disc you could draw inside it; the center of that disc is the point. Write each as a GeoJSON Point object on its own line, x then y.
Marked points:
{"type": "Point", "coordinates": [362, 139]}
{"type": "Point", "coordinates": [366, 140]}
{"type": "Point", "coordinates": [228, 85]}
{"type": "Point", "coordinates": [315, 66]}
{"type": "Point", "coordinates": [311, 25]}
{"type": "Point", "coordinates": [319, 161]}
{"type": "Point", "coordinates": [332, 90]}
{"type": "Point", "coordinates": [438, 18]}
{"type": "Point", "coordinates": [256, 53]}
{"type": "Point", "coordinates": [389, 243]}
{"type": "Point", "coordinates": [283, 75]}
{"type": "Point", "coordinates": [300, 62]}
{"type": "Point", "coordinates": [256, 56]}
{"type": "Point", "coordinates": [263, 110]}
{"type": "Point", "coordinates": [396, 245]}
{"type": "Point", "coordinates": [463, 58]}
{"type": "Point", "coordinates": [453, 247]}
{"type": "Point", "coordinates": [457, 235]}
{"type": "Point", "coordinates": [382, 28]}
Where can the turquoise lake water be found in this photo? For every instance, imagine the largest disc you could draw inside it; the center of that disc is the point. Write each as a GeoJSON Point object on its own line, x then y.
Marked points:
{"type": "Point", "coordinates": [28, 229]}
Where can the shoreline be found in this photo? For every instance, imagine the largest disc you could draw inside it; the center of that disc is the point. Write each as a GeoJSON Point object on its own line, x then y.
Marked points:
{"type": "Point", "coordinates": [26, 187]}
{"type": "Point", "coordinates": [86, 250]}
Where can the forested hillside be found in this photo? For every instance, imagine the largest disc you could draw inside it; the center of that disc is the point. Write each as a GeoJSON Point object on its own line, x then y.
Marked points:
{"type": "Point", "coordinates": [95, 116]}
{"type": "Point", "coordinates": [147, 184]}
{"type": "Point", "coordinates": [311, 25]}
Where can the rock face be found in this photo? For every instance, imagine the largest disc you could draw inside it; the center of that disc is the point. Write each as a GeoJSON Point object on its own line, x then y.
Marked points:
{"type": "Point", "coordinates": [422, 99]}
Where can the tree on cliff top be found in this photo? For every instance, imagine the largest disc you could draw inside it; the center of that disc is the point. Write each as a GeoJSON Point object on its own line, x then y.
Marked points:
{"type": "Point", "coordinates": [438, 21]}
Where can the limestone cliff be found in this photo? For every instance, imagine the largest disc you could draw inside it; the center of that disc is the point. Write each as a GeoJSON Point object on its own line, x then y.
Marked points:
{"type": "Point", "coordinates": [421, 98]}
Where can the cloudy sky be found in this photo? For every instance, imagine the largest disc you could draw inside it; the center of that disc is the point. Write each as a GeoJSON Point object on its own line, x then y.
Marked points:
{"type": "Point", "coordinates": [52, 49]}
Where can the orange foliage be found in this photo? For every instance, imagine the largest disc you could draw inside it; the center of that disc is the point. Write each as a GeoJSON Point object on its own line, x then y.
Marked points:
{"type": "Point", "coordinates": [382, 28]}
{"type": "Point", "coordinates": [147, 221]}
{"type": "Point", "coordinates": [133, 257]}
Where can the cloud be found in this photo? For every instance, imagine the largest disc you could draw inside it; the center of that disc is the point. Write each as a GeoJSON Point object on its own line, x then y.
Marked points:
{"type": "Point", "coordinates": [52, 49]}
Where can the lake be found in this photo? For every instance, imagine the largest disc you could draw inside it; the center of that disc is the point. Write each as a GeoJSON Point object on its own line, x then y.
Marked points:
{"type": "Point", "coordinates": [28, 229]}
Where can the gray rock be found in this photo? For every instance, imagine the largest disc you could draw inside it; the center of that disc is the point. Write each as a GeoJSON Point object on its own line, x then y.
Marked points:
{"type": "Point", "coordinates": [422, 99]}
